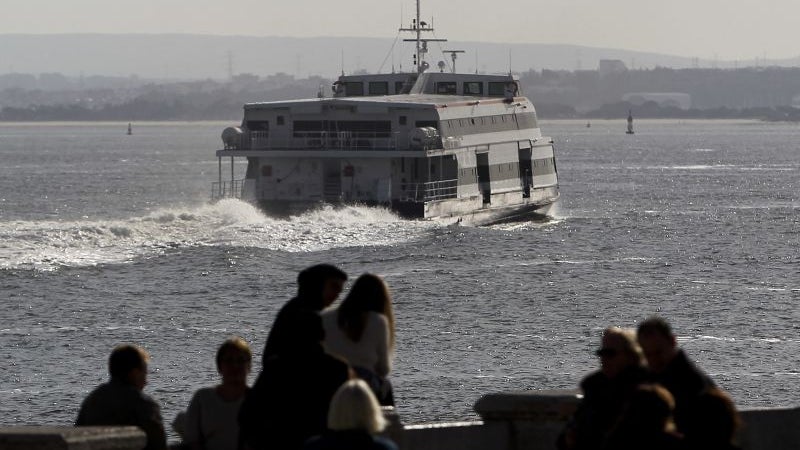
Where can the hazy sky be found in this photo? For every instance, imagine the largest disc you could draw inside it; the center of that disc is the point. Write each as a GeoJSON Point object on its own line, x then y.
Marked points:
{"type": "Point", "coordinates": [707, 29]}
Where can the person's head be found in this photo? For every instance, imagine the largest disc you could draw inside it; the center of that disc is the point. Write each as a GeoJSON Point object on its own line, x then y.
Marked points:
{"type": "Point", "coordinates": [234, 360]}
{"type": "Point", "coordinates": [354, 407]}
{"type": "Point", "coordinates": [619, 351]}
{"type": "Point", "coordinates": [368, 294]}
{"type": "Point", "coordinates": [658, 343]}
{"type": "Point", "coordinates": [650, 409]}
{"type": "Point", "coordinates": [128, 364]}
{"type": "Point", "coordinates": [714, 419]}
{"type": "Point", "coordinates": [321, 283]}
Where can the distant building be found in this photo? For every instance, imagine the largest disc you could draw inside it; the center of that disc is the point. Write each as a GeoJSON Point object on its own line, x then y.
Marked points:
{"type": "Point", "coordinates": [610, 67]}
{"type": "Point", "coordinates": [796, 101]}
{"type": "Point", "coordinates": [674, 99]}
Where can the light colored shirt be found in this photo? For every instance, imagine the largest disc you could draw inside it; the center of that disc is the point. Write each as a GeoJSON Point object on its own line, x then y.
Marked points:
{"type": "Point", "coordinates": [211, 421]}
{"type": "Point", "coordinates": [371, 352]}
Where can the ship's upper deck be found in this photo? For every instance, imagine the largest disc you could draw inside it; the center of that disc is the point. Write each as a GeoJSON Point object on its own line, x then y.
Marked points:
{"type": "Point", "coordinates": [439, 111]}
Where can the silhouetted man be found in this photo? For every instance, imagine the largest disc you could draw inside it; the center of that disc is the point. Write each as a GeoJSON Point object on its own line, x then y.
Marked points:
{"type": "Point", "coordinates": [289, 401]}
{"type": "Point", "coordinates": [670, 368]}
{"type": "Point", "coordinates": [317, 288]}
{"type": "Point", "coordinates": [121, 400]}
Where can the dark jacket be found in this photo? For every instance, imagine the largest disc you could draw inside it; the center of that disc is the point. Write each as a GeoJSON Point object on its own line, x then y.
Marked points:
{"type": "Point", "coordinates": [285, 321]}
{"type": "Point", "coordinates": [289, 401]}
{"type": "Point", "coordinates": [349, 440]}
{"type": "Point", "coordinates": [685, 382]}
{"type": "Point", "coordinates": [119, 403]}
{"type": "Point", "coordinates": [603, 402]}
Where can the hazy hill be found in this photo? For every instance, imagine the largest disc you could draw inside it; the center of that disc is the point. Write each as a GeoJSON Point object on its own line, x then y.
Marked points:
{"type": "Point", "coordinates": [204, 56]}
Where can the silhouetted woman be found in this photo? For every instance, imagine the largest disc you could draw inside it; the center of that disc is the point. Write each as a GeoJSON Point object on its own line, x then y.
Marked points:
{"type": "Point", "coordinates": [361, 331]}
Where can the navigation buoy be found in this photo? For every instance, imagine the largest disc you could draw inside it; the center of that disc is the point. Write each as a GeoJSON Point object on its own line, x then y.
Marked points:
{"type": "Point", "coordinates": [630, 123]}
{"type": "Point", "coordinates": [130, 129]}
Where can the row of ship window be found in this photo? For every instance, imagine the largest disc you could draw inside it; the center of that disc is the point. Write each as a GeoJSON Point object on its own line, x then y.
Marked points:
{"type": "Point", "coordinates": [494, 88]}
{"type": "Point", "coordinates": [469, 125]}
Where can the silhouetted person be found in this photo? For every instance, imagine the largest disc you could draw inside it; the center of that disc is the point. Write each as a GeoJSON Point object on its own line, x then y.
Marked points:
{"type": "Point", "coordinates": [121, 400]}
{"type": "Point", "coordinates": [361, 331]}
{"type": "Point", "coordinates": [289, 401]}
{"type": "Point", "coordinates": [646, 422]}
{"type": "Point", "coordinates": [210, 422]}
{"type": "Point", "coordinates": [354, 420]}
{"type": "Point", "coordinates": [606, 392]}
{"type": "Point", "coordinates": [714, 422]}
{"type": "Point", "coordinates": [317, 288]}
{"type": "Point", "coordinates": [670, 367]}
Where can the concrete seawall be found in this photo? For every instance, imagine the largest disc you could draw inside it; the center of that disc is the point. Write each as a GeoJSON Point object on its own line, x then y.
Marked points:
{"type": "Point", "coordinates": [528, 420]}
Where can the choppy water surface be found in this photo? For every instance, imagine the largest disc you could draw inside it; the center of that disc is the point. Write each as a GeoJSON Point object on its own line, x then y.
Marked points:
{"type": "Point", "coordinates": [107, 238]}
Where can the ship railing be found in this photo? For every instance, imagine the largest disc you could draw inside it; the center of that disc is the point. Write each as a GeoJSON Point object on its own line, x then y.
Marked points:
{"type": "Point", "coordinates": [323, 140]}
{"type": "Point", "coordinates": [430, 191]}
{"type": "Point", "coordinates": [226, 189]}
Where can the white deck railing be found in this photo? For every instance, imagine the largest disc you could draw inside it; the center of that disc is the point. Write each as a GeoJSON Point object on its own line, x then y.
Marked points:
{"type": "Point", "coordinates": [430, 191]}
{"type": "Point", "coordinates": [226, 189]}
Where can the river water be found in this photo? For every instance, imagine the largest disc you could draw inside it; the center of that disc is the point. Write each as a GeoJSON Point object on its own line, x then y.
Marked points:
{"type": "Point", "coordinates": [107, 238]}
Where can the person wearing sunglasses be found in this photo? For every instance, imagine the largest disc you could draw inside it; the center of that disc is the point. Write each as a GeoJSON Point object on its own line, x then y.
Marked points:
{"type": "Point", "coordinates": [606, 391]}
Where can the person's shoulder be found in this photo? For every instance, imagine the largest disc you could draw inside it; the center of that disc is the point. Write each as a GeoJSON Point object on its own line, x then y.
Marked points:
{"type": "Point", "coordinates": [377, 317]}
{"type": "Point", "coordinates": [382, 443]}
{"type": "Point", "coordinates": [206, 393]}
{"type": "Point", "coordinates": [593, 381]}
{"type": "Point", "coordinates": [329, 317]}
{"type": "Point", "coordinates": [686, 369]}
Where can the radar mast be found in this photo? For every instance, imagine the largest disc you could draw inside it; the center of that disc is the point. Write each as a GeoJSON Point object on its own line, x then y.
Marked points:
{"type": "Point", "coordinates": [418, 27]}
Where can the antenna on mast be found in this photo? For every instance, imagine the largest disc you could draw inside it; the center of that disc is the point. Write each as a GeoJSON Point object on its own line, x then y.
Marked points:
{"type": "Point", "coordinates": [509, 61]}
{"type": "Point", "coordinates": [342, 62]}
{"type": "Point", "coordinates": [453, 55]}
{"type": "Point", "coordinates": [417, 27]}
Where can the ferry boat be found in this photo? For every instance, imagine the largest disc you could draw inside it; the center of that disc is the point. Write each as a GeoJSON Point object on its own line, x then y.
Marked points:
{"type": "Point", "coordinates": [427, 144]}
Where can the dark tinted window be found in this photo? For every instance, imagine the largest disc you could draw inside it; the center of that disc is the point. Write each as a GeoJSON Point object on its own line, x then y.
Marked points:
{"type": "Point", "coordinates": [378, 88]}
{"type": "Point", "coordinates": [446, 87]}
{"type": "Point", "coordinates": [497, 88]}
{"type": "Point", "coordinates": [258, 125]}
{"type": "Point", "coordinates": [353, 88]}
{"type": "Point", "coordinates": [473, 88]}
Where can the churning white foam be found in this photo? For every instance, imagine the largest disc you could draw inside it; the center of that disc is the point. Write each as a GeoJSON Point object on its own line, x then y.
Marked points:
{"type": "Point", "coordinates": [46, 245]}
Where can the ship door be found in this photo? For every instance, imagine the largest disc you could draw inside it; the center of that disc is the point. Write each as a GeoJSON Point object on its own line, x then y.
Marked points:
{"type": "Point", "coordinates": [526, 171]}
{"type": "Point", "coordinates": [484, 183]}
{"type": "Point", "coordinates": [332, 180]}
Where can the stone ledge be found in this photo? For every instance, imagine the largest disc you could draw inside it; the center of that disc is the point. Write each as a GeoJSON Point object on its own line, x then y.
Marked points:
{"type": "Point", "coordinates": [71, 438]}
{"type": "Point", "coordinates": [537, 406]}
